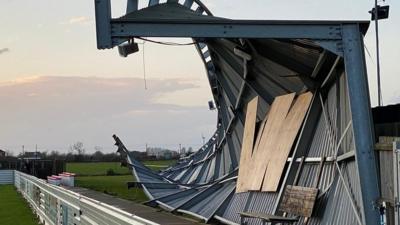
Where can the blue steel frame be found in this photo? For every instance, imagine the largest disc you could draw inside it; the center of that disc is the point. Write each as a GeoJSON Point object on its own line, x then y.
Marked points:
{"type": "Point", "coordinates": [344, 38]}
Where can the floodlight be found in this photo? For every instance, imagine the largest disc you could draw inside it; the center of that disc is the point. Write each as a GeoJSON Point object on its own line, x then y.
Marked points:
{"type": "Point", "coordinates": [128, 48]}
{"type": "Point", "coordinates": [383, 12]}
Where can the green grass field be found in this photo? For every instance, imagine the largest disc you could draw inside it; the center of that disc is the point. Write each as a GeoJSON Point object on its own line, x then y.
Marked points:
{"type": "Point", "coordinates": [96, 168]}
{"type": "Point", "coordinates": [92, 176]}
{"type": "Point", "coordinates": [21, 214]}
{"type": "Point", "coordinates": [112, 185]}
{"type": "Point", "coordinates": [157, 165]}
{"type": "Point", "coordinates": [100, 168]}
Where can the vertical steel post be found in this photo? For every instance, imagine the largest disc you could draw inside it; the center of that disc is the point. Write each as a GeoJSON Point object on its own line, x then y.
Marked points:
{"type": "Point", "coordinates": [103, 23]}
{"type": "Point", "coordinates": [132, 5]}
{"type": "Point", "coordinates": [378, 66]}
{"type": "Point", "coordinates": [360, 107]}
{"type": "Point", "coordinates": [153, 2]}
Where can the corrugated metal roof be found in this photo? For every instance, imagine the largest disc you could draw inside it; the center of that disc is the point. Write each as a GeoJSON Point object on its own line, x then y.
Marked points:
{"type": "Point", "coordinates": [206, 180]}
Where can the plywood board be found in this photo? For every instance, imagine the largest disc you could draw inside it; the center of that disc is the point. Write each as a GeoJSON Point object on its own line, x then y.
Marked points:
{"type": "Point", "coordinates": [276, 117]}
{"type": "Point", "coordinates": [285, 137]}
{"type": "Point", "coordinates": [247, 144]}
{"type": "Point", "coordinates": [298, 200]}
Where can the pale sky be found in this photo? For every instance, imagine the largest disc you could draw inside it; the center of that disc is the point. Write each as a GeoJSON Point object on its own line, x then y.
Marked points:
{"type": "Point", "coordinates": [57, 88]}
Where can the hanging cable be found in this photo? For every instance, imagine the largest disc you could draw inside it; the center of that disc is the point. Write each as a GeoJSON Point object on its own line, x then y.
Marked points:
{"type": "Point", "coordinates": [166, 43]}
{"type": "Point", "coordinates": [369, 54]}
{"type": "Point", "coordinates": [156, 42]}
{"type": "Point", "coordinates": [144, 66]}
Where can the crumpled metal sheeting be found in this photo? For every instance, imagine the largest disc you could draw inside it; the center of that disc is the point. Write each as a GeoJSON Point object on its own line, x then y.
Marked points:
{"type": "Point", "coordinates": [277, 67]}
{"type": "Point", "coordinates": [267, 71]}
{"type": "Point", "coordinates": [338, 209]}
{"type": "Point", "coordinates": [158, 193]}
{"type": "Point", "coordinates": [171, 11]}
{"type": "Point", "coordinates": [202, 167]}
{"type": "Point", "coordinates": [146, 178]}
{"type": "Point", "coordinates": [208, 202]}
{"type": "Point", "coordinates": [141, 172]}
{"type": "Point", "coordinates": [236, 204]}
{"type": "Point", "coordinates": [345, 115]}
{"type": "Point", "coordinates": [204, 154]}
{"type": "Point", "coordinates": [309, 173]}
{"type": "Point", "coordinates": [289, 54]}
{"type": "Point", "coordinates": [261, 202]}
{"type": "Point", "coordinates": [177, 199]}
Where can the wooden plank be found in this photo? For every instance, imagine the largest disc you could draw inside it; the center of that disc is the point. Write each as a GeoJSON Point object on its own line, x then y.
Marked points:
{"type": "Point", "coordinates": [285, 138]}
{"type": "Point", "coordinates": [298, 200]}
{"type": "Point", "coordinates": [386, 174]}
{"type": "Point", "coordinates": [276, 117]}
{"type": "Point", "coordinates": [247, 144]}
{"type": "Point", "coordinates": [388, 139]}
{"type": "Point", "coordinates": [387, 183]}
{"type": "Point", "coordinates": [259, 133]}
{"type": "Point", "coordinates": [396, 180]}
{"type": "Point", "coordinates": [384, 147]}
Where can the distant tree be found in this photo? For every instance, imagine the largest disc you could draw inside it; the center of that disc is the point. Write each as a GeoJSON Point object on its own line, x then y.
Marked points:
{"type": "Point", "coordinates": [9, 153]}
{"type": "Point", "coordinates": [43, 154]}
{"type": "Point", "coordinates": [70, 157]}
{"type": "Point", "coordinates": [55, 155]}
{"type": "Point", "coordinates": [112, 157]}
{"type": "Point", "coordinates": [190, 150]}
{"type": "Point", "coordinates": [97, 156]}
{"type": "Point", "coordinates": [79, 149]}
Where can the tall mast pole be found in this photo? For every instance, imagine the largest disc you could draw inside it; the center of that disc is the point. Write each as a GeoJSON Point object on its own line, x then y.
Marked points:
{"type": "Point", "coordinates": [378, 67]}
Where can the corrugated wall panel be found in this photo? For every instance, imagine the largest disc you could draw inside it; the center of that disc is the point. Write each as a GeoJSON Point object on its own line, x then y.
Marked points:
{"type": "Point", "coordinates": [6, 176]}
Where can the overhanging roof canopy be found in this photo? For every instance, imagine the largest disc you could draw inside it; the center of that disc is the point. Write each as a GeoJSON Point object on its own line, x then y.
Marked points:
{"type": "Point", "coordinates": [260, 58]}
{"type": "Point", "coordinates": [175, 20]}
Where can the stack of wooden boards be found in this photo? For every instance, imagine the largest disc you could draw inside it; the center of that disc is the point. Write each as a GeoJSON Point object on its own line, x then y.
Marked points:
{"type": "Point", "coordinates": [387, 173]}
{"type": "Point", "coordinates": [264, 155]}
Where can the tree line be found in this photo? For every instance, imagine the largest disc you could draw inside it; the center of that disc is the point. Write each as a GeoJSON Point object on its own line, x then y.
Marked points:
{"type": "Point", "coordinates": [77, 153]}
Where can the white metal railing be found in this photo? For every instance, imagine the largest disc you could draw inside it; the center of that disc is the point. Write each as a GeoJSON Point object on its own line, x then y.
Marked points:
{"type": "Point", "coordinates": [56, 205]}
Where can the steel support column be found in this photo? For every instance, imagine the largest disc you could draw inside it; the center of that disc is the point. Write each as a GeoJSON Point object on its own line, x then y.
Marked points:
{"type": "Point", "coordinates": [103, 26]}
{"type": "Point", "coordinates": [357, 82]}
{"type": "Point", "coordinates": [132, 5]}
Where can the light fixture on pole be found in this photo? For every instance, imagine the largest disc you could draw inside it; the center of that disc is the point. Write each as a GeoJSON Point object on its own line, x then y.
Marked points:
{"type": "Point", "coordinates": [377, 13]}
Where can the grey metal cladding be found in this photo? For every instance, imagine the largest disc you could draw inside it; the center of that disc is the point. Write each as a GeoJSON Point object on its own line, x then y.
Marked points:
{"type": "Point", "coordinates": [6, 177]}
{"type": "Point", "coordinates": [206, 179]}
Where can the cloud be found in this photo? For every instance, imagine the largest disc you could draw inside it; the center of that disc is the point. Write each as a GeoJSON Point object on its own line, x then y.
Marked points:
{"type": "Point", "coordinates": [4, 50]}
{"type": "Point", "coordinates": [57, 111]}
{"type": "Point", "coordinates": [79, 20]}
{"type": "Point", "coordinates": [17, 81]}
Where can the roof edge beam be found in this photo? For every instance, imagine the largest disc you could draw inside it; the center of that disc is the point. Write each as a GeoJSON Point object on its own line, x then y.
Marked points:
{"type": "Point", "coordinates": [231, 29]}
{"type": "Point", "coordinates": [111, 31]}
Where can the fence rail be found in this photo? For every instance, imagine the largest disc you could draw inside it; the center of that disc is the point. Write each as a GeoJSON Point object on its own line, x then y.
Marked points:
{"type": "Point", "coordinates": [56, 205]}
